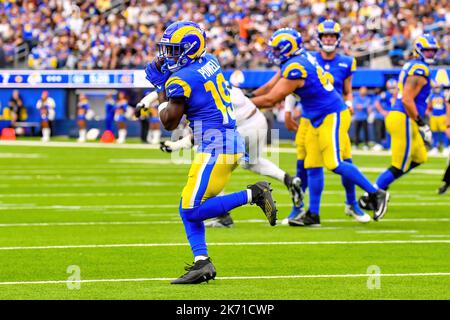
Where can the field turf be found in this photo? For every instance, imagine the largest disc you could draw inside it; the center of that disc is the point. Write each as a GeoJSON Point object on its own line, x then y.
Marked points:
{"type": "Point", "coordinates": [112, 214]}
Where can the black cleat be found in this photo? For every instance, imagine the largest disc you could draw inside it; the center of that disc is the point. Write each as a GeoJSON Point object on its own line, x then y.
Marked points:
{"type": "Point", "coordinates": [305, 220]}
{"type": "Point", "coordinates": [365, 203]}
{"type": "Point", "coordinates": [200, 271]}
{"type": "Point", "coordinates": [294, 185]}
{"type": "Point", "coordinates": [444, 188]}
{"type": "Point", "coordinates": [223, 221]}
{"type": "Point", "coordinates": [379, 201]}
{"type": "Point", "coordinates": [262, 197]}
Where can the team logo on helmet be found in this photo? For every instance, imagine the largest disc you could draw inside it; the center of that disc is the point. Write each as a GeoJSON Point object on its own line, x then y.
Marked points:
{"type": "Point", "coordinates": [283, 44]}
{"type": "Point", "coordinates": [181, 44]}
{"type": "Point", "coordinates": [426, 48]}
{"type": "Point", "coordinates": [328, 27]}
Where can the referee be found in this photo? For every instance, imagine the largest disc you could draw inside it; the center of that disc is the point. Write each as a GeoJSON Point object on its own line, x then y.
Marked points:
{"type": "Point", "coordinates": [446, 178]}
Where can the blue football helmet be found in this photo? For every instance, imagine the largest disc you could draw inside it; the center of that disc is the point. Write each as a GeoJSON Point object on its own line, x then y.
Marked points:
{"type": "Point", "coordinates": [329, 27]}
{"type": "Point", "coordinates": [181, 44]}
{"type": "Point", "coordinates": [283, 44]}
{"type": "Point", "coordinates": [426, 47]}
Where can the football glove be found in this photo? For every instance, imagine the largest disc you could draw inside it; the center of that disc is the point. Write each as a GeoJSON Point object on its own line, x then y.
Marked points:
{"type": "Point", "coordinates": [140, 107]}
{"type": "Point", "coordinates": [164, 146]}
{"type": "Point", "coordinates": [156, 77]}
{"type": "Point", "coordinates": [169, 146]}
{"type": "Point", "coordinates": [425, 131]}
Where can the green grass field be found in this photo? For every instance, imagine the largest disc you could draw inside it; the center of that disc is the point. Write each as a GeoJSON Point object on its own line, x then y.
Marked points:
{"type": "Point", "coordinates": [112, 212]}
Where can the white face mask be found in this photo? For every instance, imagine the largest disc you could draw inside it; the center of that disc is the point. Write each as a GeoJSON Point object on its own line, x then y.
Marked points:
{"type": "Point", "coordinates": [328, 48]}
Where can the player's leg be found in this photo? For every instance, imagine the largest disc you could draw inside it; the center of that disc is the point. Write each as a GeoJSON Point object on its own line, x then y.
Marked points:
{"type": "Point", "coordinates": [446, 179]}
{"type": "Point", "coordinates": [351, 204]}
{"type": "Point", "coordinates": [122, 133]}
{"type": "Point", "coordinates": [207, 177]}
{"type": "Point", "coordinates": [434, 127]}
{"type": "Point", "coordinates": [330, 148]}
{"type": "Point", "coordinates": [301, 173]}
{"type": "Point", "coordinates": [314, 168]}
{"type": "Point", "coordinates": [254, 131]}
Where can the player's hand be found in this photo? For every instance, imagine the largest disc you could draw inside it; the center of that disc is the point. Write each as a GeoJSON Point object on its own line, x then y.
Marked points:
{"type": "Point", "coordinates": [165, 146]}
{"type": "Point", "coordinates": [138, 110]}
{"type": "Point", "coordinates": [155, 76]}
{"type": "Point", "coordinates": [426, 134]}
{"type": "Point", "coordinates": [290, 123]}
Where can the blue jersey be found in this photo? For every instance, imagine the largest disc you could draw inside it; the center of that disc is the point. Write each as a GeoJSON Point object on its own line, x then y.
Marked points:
{"type": "Point", "coordinates": [437, 101]}
{"type": "Point", "coordinates": [361, 106]}
{"type": "Point", "coordinates": [416, 68]}
{"type": "Point", "coordinates": [340, 68]}
{"type": "Point", "coordinates": [208, 105]}
{"type": "Point", "coordinates": [318, 96]}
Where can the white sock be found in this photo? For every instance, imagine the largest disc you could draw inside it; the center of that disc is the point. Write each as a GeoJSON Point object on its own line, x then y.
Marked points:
{"type": "Point", "coordinates": [82, 134]}
{"type": "Point", "coordinates": [267, 168]}
{"type": "Point", "coordinates": [249, 196]}
{"type": "Point", "coordinates": [122, 134]}
{"type": "Point", "coordinates": [149, 136]}
{"type": "Point", "coordinates": [156, 136]}
{"type": "Point", "coordinates": [46, 133]}
{"type": "Point", "coordinates": [198, 258]}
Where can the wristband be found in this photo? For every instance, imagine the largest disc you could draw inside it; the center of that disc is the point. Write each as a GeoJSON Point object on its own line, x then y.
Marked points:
{"type": "Point", "coordinates": [162, 106]}
{"type": "Point", "coordinates": [349, 103]}
{"type": "Point", "coordinates": [420, 121]}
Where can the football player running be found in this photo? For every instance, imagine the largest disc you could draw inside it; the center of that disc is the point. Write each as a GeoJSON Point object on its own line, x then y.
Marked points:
{"type": "Point", "coordinates": [252, 126]}
{"type": "Point", "coordinates": [405, 122]}
{"type": "Point", "coordinates": [191, 82]}
{"type": "Point", "coordinates": [338, 68]}
{"type": "Point", "coordinates": [322, 111]}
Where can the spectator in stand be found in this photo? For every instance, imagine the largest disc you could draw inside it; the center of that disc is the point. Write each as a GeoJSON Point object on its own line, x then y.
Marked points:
{"type": "Point", "coordinates": [46, 106]}
{"type": "Point", "coordinates": [361, 105]}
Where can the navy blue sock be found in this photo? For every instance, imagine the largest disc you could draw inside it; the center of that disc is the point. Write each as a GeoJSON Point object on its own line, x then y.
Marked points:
{"type": "Point", "coordinates": [315, 179]}
{"type": "Point", "coordinates": [352, 173]}
{"type": "Point", "coordinates": [435, 139]}
{"type": "Point", "coordinates": [350, 188]}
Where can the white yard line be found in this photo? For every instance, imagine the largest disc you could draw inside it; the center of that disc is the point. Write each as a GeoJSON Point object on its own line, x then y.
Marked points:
{"type": "Point", "coordinates": [302, 276]}
{"type": "Point", "coordinates": [269, 243]}
{"type": "Point", "coordinates": [385, 231]}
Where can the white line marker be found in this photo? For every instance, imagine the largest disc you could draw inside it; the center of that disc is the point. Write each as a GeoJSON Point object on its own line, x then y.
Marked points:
{"type": "Point", "coordinates": [385, 231]}
{"type": "Point", "coordinates": [305, 276]}
{"type": "Point", "coordinates": [431, 235]}
{"type": "Point", "coordinates": [131, 245]}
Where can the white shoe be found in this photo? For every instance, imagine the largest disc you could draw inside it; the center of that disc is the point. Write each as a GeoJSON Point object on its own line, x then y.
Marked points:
{"type": "Point", "coordinates": [433, 152]}
{"type": "Point", "coordinates": [44, 139]}
{"type": "Point", "coordinates": [349, 210]}
{"type": "Point", "coordinates": [120, 141]}
{"type": "Point", "coordinates": [81, 140]}
{"type": "Point", "coordinates": [365, 148]}
{"type": "Point", "coordinates": [377, 147]}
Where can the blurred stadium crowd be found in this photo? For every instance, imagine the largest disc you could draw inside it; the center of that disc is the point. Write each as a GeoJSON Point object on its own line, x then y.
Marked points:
{"type": "Point", "coordinates": [108, 34]}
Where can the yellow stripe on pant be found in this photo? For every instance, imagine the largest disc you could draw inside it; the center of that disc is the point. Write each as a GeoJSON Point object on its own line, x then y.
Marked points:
{"type": "Point", "coordinates": [328, 144]}
{"type": "Point", "coordinates": [438, 123]}
{"type": "Point", "coordinates": [300, 138]}
{"type": "Point", "coordinates": [406, 142]}
{"type": "Point", "coordinates": [207, 177]}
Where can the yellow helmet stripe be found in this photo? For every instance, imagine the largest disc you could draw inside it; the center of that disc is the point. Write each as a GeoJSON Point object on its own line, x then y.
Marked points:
{"type": "Point", "coordinates": [294, 66]}
{"type": "Point", "coordinates": [321, 28]}
{"type": "Point", "coordinates": [337, 28]}
{"type": "Point", "coordinates": [183, 31]}
{"type": "Point", "coordinates": [288, 37]}
{"type": "Point", "coordinates": [183, 84]}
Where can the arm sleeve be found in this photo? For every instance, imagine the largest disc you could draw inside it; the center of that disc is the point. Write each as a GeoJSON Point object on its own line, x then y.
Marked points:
{"type": "Point", "coordinates": [289, 103]}
{"type": "Point", "coordinates": [177, 87]}
{"type": "Point", "coordinates": [294, 70]}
